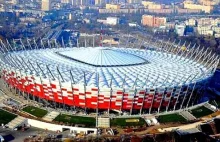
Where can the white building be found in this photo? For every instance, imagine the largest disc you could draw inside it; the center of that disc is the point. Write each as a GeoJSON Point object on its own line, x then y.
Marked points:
{"type": "Point", "coordinates": [70, 16]}
{"type": "Point", "coordinates": [86, 20]}
{"type": "Point", "coordinates": [204, 21]}
{"type": "Point", "coordinates": [112, 20]}
{"type": "Point", "coordinates": [190, 22]}
{"type": "Point", "coordinates": [11, 2]}
{"type": "Point", "coordinates": [65, 1]}
{"type": "Point", "coordinates": [46, 5]}
{"type": "Point", "coordinates": [217, 35]}
{"type": "Point", "coordinates": [101, 21]}
{"type": "Point", "coordinates": [215, 22]}
{"type": "Point", "coordinates": [132, 24]}
{"type": "Point", "coordinates": [216, 29]}
{"type": "Point", "coordinates": [205, 30]}
{"type": "Point", "coordinates": [180, 29]}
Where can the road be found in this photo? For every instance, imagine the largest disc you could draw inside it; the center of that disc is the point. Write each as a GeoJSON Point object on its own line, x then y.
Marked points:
{"type": "Point", "coordinates": [190, 126]}
{"type": "Point", "coordinates": [18, 136]}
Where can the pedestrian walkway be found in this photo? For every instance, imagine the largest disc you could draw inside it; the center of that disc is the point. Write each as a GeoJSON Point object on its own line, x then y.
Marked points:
{"type": "Point", "coordinates": [51, 116]}
{"type": "Point", "coordinates": [210, 107]}
{"type": "Point", "coordinates": [18, 121]}
{"type": "Point", "coordinates": [187, 115]}
{"type": "Point", "coordinates": [183, 127]}
{"type": "Point", "coordinates": [103, 122]}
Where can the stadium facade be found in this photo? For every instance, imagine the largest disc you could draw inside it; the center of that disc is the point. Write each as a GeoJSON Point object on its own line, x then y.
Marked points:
{"type": "Point", "coordinates": [154, 76]}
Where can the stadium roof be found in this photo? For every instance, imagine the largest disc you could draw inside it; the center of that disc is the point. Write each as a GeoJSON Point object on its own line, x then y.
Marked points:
{"type": "Point", "coordinates": [114, 67]}
{"type": "Point", "coordinates": [103, 57]}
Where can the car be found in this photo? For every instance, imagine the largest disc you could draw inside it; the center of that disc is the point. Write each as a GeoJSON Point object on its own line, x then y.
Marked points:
{"type": "Point", "coordinates": [32, 136]}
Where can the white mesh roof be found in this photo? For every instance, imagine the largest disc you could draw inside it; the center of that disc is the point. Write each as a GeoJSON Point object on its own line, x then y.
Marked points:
{"type": "Point", "coordinates": [161, 70]}
{"type": "Point", "coordinates": [102, 56]}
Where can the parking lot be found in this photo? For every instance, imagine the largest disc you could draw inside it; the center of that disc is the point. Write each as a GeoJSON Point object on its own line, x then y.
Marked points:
{"type": "Point", "coordinates": [19, 136]}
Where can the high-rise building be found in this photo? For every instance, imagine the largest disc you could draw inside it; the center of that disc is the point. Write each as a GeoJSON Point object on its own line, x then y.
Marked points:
{"type": "Point", "coordinates": [134, 1]}
{"type": "Point", "coordinates": [65, 1]}
{"type": "Point", "coordinates": [112, 20]}
{"type": "Point", "coordinates": [191, 22]}
{"type": "Point", "coordinates": [180, 29]}
{"type": "Point", "coordinates": [75, 2]}
{"type": "Point", "coordinates": [101, 2]}
{"type": "Point", "coordinates": [192, 5]}
{"type": "Point", "coordinates": [153, 21]}
{"type": "Point", "coordinates": [112, 6]}
{"type": "Point", "coordinates": [209, 2]}
{"type": "Point", "coordinates": [147, 3]}
{"type": "Point", "coordinates": [82, 2]}
{"type": "Point", "coordinates": [11, 2]}
{"type": "Point", "coordinates": [152, 5]}
{"type": "Point", "coordinates": [46, 5]}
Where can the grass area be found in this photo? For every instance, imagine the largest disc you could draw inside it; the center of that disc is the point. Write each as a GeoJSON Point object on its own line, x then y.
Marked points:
{"type": "Point", "coordinates": [171, 118]}
{"type": "Point", "coordinates": [35, 111]}
{"type": "Point", "coordinates": [87, 121]}
{"type": "Point", "coordinates": [127, 122]}
{"type": "Point", "coordinates": [201, 111]}
{"type": "Point", "coordinates": [6, 117]}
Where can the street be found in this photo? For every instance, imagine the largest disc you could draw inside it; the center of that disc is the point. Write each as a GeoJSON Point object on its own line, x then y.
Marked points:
{"type": "Point", "coordinates": [19, 136]}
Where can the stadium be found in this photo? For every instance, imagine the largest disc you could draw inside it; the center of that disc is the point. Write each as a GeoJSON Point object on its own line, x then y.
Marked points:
{"type": "Point", "coordinates": [141, 77]}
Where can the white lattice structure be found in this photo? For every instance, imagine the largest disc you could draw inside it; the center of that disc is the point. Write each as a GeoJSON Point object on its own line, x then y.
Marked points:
{"type": "Point", "coordinates": [164, 76]}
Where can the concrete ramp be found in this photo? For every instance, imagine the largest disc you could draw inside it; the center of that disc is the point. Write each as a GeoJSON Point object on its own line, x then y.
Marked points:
{"type": "Point", "coordinates": [103, 122]}
{"type": "Point", "coordinates": [210, 107]}
{"type": "Point", "coordinates": [51, 116]}
{"type": "Point", "coordinates": [18, 121]}
{"type": "Point", "coordinates": [187, 115]}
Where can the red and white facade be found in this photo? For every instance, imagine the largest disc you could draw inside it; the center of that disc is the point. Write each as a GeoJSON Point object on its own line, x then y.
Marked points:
{"type": "Point", "coordinates": [97, 98]}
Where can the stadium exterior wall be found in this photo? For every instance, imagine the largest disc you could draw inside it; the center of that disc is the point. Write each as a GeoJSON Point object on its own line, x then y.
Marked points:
{"type": "Point", "coordinates": [102, 98]}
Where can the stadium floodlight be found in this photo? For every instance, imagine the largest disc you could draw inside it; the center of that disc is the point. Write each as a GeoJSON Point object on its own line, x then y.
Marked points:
{"type": "Point", "coordinates": [3, 45]}
{"type": "Point", "coordinates": [2, 50]}
{"type": "Point", "coordinates": [49, 44]}
{"type": "Point", "coordinates": [191, 94]}
{"type": "Point", "coordinates": [28, 43]}
{"type": "Point", "coordinates": [48, 69]}
{"type": "Point", "coordinates": [14, 62]}
{"type": "Point", "coordinates": [41, 70]}
{"type": "Point", "coordinates": [63, 44]}
{"type": "Point", "coordinates": [37, 73]}
{"type": "Point", "coordinates": [85, 40]}
{"type": "Point", "coordinates": [22, 44]}
{"type": "Point", "coordinates": [35, 44]}
{"type": "Point", "coordinates": [9, 45]}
